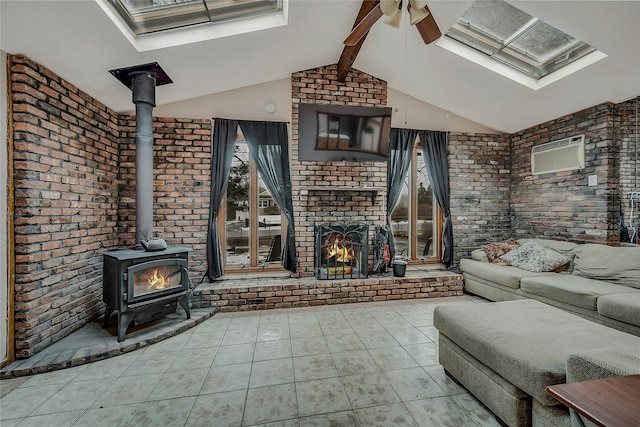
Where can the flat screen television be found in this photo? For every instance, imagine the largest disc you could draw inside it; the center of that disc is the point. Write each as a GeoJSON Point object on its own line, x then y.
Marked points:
{"type": "Point", "coordinates": [334, 133]}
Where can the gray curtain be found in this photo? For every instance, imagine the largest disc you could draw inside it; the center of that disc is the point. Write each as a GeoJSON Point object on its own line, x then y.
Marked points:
{"type": "Point", "coordinates": [223, 145]}
{"type": "Point", "coordinates": [269, 147]}
{"type": "Point", "coordinates": [401, 143]}
{"type": "Point", "coordinates": [434, 150]}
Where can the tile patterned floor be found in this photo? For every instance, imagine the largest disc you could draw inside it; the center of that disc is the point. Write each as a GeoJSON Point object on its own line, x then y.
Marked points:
{"type": "Point", "coordinates": [369, 364]}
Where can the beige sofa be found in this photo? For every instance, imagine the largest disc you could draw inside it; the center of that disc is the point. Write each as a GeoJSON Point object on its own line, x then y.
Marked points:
{"type": "Point", "coordinates": [600, 283]}
{"type": "Point", "coordinates": [506, 353]}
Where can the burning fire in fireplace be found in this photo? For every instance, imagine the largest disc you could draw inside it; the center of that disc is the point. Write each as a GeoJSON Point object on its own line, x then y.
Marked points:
{"type": "Point", "coordinates": [341, 252]}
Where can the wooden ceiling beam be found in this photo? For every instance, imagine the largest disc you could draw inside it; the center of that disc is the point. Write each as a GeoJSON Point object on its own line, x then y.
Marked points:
{"type": "Point", "coordinates": [349, 53]}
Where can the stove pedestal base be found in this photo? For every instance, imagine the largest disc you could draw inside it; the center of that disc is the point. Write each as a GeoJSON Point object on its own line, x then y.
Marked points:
{"type": "Point", "coordinates": [147, 311]}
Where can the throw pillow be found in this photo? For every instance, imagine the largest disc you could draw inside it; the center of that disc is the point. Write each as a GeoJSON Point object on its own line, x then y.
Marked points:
{"type": "Point", "coordinates": [619, 265]}
{"type": "Point", "coordinates": [496, 250]}
{"type": "Point", "coordinates": [533, 257]}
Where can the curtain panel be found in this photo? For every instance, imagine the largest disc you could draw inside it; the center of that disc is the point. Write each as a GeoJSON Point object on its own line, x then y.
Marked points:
{"type": "Point", "coordinates": [434, 150]}
{"type": "Point", "coordinates": [269, 147]}
{"type": "Point", "coordinates": [223, 144]}
{"type": "Point", "coordinates": [401, 143]}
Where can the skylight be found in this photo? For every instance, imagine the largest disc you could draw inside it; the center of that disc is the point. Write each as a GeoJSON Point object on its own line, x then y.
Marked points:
{"type": "Point", "coordinates": [154, 24]}
{"type": "Point", "coordinates": [511, 37]}
{"type": "Point", "coordinates": [147, 16]}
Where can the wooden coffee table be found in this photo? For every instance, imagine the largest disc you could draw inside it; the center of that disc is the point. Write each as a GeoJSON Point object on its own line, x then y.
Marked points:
{"type": "Point", "coordinates": [606, 402]}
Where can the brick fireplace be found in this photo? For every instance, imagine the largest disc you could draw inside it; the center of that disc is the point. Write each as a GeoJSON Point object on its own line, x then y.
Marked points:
{"type": "Point", "coordinates": [333, 192]}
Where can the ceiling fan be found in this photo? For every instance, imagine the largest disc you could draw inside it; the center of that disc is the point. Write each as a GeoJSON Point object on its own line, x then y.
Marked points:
{"type": "Point", "coordinates": [419, 15]}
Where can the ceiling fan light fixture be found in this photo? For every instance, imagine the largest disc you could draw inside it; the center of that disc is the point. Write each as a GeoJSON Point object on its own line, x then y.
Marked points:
{"type": "Point", "coordinates": [390, 7]}
{"type": "Point", "coordinates": [417, 15]}
{"type": "Point", "coordinates": [393, 20]}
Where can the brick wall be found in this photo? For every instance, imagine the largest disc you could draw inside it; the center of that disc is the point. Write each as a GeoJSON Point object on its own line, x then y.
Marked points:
{"type": "Point", "coordinates": [75, 199]}
{"type": "Point", "coordinates": [629, 136]}
{"type": "Point", "coordinates": [316, 205]}
{"type": "Point", "coordinates": [181, 185]}
{"type": "Point", "coordinates": [480, 188]}
{"type": "Point", "coordinates": [65, 162]}
{"type": "Point", "coordinates": [561, 205]}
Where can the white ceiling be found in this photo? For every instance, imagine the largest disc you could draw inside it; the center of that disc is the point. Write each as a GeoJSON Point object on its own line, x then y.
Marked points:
{"type": "Point", "coordinates": [77, 41]}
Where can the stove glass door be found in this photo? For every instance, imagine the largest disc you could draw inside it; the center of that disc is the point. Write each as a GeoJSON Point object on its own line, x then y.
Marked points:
{"type": "Point", "coordinates": [158, 276]}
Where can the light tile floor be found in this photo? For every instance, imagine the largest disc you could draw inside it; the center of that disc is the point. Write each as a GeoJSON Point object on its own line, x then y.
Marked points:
{"type": "Point", "coordinates": [368, 364]}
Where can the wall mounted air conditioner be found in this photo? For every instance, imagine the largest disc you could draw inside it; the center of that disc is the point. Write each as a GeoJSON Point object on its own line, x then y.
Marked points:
{"type": "Point", "coordinates": [561, 155]}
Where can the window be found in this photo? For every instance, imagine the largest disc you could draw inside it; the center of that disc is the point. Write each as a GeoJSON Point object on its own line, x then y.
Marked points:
{"type": "Point", "coordinates": [416, 220]}
{"type": "Point", "coordinates": [158, 24]}
{"type": "Point", "coordinates": [511, 37]}
{"type": "Point", "coordinates": [148, 16]}
{"type": "Point", "coordinates": [252, 224]}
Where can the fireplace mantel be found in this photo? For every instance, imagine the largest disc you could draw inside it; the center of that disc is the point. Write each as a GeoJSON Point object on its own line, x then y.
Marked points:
{"type": "Point", "coordinates": [333, 188]}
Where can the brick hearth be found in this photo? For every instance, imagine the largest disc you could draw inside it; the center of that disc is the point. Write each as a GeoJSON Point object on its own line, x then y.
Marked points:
{"type": "Point", "coordinates": [259, 293]}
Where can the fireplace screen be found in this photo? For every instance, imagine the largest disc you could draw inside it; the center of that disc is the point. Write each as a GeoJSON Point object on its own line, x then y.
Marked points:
{"type": "Point", "coordinates": [341, 251]}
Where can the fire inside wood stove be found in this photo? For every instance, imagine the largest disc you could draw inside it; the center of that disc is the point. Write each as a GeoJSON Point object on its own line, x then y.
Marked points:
{"type": "Point", "coordinates": [154, 279]}
{"type": "Point", "coordinates": [341, 251]}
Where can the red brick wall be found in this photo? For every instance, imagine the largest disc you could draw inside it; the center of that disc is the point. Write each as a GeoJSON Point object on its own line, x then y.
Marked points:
{"type": "Point", "coordinates": [65, 162]}
{"type": "Point", "coordinates": [480, 187]}
{"type": "Point", "coordinates": [561, 205]}
{"type": "Point", "coordinates": [182, 185]}
{"type": "Point", "coordinates": [494, 195]}
{"type": "Point", "coordinates": [316, 206]}
{"type": "Point", "coordinates": [75, 199]}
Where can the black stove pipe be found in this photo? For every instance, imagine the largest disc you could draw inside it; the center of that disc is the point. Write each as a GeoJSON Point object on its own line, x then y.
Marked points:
{"type": "Point", "coordinates": [143, 87]}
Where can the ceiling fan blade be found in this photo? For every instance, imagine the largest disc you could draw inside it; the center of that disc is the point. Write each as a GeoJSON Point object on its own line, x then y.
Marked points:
{"type": "Point", "coordinates": [363, 27]}
{"type": "Point", "coordinates": [428, 28]}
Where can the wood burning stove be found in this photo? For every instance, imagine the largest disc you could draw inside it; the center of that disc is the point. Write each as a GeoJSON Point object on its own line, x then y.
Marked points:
{"type": "Point", "coordinates": [341, 251]}
{"type": "Point", "coordinates": [144, 286]}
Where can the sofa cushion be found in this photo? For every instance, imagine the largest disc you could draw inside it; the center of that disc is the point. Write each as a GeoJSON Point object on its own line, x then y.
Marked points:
{"type": "Point", "coordinates": [601, 363]}
{"type": "Point", "coordinates": [526, 342]}
{"type": "Point", "coordinates": [495, 250]}
{"type": "Point", "coordinates": [622, 307]}
{"type": "Point", "coordinates": [504, 275]}
{"type": "Point", "coordinates": [570, 289]}
{"type": "Point", "coordinates": [533, 257]}
{"type": "Point", "coordinates": [479, 255]}
{"type": "Point", "coordinates": [619, 265]}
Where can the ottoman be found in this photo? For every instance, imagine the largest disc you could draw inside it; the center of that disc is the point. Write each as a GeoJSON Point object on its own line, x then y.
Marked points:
{"type": "Point", "coordinates": [506, 353]}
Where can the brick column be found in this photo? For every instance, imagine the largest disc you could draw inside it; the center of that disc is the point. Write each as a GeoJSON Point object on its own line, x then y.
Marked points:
{"type": "Point", "coordinates": [313, 204]}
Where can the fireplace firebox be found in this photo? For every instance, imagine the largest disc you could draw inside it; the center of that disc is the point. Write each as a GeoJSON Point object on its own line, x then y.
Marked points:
{"type": "Point", "coordinates": [144, 286]}
{"type": "Point", "coordinates": [341, 251]}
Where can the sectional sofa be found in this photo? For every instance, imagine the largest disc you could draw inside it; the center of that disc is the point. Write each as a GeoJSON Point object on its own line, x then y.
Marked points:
{"type": "Point", "coordinates": [561, 312]}
{"type": "Point", "coordinates": [598, 282]}
{"type": "Point", "coordinates": [506, 354]}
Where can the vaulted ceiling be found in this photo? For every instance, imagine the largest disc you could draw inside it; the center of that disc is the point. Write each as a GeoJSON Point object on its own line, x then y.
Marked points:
{"type": "Point", "coordinates": [76, 40]}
